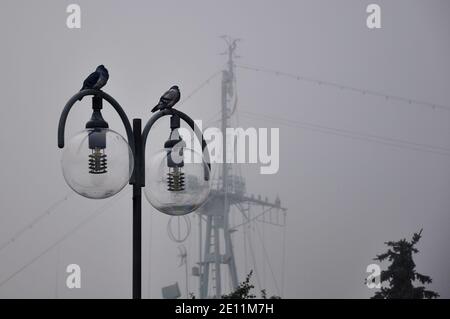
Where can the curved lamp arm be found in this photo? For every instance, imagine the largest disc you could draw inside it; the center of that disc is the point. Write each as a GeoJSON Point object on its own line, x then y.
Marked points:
{"type": "Point", "coordinates": [103, 95]}
{"type": "Point", "coordinates": [189, 121]}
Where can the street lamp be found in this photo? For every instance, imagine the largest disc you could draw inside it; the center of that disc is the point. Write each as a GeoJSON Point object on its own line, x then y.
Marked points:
{"type": "Point", "coordinates": [175, 183]}
{"type": "Point", "coordinates": [98, 162]}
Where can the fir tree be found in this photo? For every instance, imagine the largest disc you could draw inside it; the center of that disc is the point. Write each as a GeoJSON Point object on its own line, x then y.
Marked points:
{"type": "Point", "coordinates": [401, 273]}
{"type": "Point", "coordinates": [244, 291]}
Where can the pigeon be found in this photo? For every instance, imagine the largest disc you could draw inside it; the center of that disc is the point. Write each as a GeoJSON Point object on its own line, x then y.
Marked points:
{"type": "Point", "coordinates": [96, 80]}
{"type": "Point", "coordinates": [168, 99]}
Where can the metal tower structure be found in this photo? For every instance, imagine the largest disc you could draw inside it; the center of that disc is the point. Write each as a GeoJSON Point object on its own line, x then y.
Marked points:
{"type": "Point", "coordinates": [228, 191]}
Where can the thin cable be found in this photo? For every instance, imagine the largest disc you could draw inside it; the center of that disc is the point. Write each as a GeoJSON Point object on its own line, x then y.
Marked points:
{"type": "Point", "coordinates": [150, 256]}
{"type": "Point", "coordinates": [35, 221]}
{"type": "Point", "coordinates": [201, 86]}
{"type": "Point", "coordinates": [245, 246]}
{"type": "Point", "coordinates": [252, 252]}
{"type": "Point", "coordinates": [355, 135]}
{"type": "Point", "coordinates": [211, 120]}
{"type": "Point", "coordinates": [57, 262]}
{"type": "Point", "coordinates": [354, 132]}
{"type": "Point", "coordinates": [263, 245]}
{"type": "Point", "coordinates": [253, 218]}
{"type": "Point", "coordinates": [94, 215]}
{"type": "Point", "coordinates": [283, 258]}
{"type": "Point", "coordinates": [346, 87]}
{"type": "Point", "coordinates": [266, 255]}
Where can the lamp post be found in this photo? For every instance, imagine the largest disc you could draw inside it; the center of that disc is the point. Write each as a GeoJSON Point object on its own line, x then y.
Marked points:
{"type": "Point", "coordinates": [97, 163]}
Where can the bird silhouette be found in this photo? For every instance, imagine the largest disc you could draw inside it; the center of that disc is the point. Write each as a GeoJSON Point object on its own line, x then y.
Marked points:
{"type": "Point", "coordinates": [96, 80]}
{"type": "Point", "coordinates": [168, 99]}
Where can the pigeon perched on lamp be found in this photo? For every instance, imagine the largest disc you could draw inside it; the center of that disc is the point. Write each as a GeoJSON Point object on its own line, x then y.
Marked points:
{"type": "Point", "coordinates": [168, 99]}
{"type": "Point", "coordinates": [96, 80]}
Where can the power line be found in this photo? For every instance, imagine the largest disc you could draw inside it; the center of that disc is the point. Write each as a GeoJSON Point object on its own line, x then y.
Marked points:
{"type": "Point", "coordinates": [211, 120]}
{"type": "Point", "coordinates": [35, 221]}
{"type": "Point", "coordinates": [266, 255]}
{"type": "Point", "coordinates": [201, 86]}
{"type": "Point", "coordinates": [252, 254]}
{"type": "Point", "coordinates": [150, 246]}
{"type": "Point", "coordinates": [354, 134]}
{"type": "Point", "coordinates": [253, 218]}
{"type": "Point", "coordinates": [87, 220]}
{"type": "Point", "coordinates": [345, 87]}
{"type": "Point", "coordinates": [250, 245]}
{"type": "Point", "coordinates": [283, 259]}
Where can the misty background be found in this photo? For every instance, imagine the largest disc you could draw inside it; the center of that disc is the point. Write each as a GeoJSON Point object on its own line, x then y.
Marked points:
{"type": "Point", "coordinates": [345, 196]}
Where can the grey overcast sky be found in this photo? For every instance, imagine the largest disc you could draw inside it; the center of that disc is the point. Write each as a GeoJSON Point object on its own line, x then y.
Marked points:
{"type": "Point", "coordinates": [345, 196]}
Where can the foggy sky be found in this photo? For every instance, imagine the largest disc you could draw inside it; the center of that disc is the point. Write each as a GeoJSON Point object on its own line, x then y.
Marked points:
{"type": "Point", "coordinates": [345, 197]}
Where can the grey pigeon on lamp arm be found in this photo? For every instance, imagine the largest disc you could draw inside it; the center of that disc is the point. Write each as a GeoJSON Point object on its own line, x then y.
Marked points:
{"type": "Point", "coordinates": [96, 80]}
{"type": "Point", "coordinates": [168, 99]}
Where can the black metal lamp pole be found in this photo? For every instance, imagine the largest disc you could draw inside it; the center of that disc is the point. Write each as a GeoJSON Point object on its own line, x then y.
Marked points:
{"type": "Point", "coordinates": [137, 141]}
{"type": "Point", "coordinates": [138, 181]}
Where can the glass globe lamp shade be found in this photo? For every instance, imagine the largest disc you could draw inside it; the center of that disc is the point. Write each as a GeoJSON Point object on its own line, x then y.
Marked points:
{"type": "Point", "coordinates": [161, 188]}
{"type": "Point", "coordinates": [97, 163]}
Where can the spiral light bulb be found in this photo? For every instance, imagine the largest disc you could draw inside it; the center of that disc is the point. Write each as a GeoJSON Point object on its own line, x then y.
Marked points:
{"type": "Point", "coordinates": [98, 162]}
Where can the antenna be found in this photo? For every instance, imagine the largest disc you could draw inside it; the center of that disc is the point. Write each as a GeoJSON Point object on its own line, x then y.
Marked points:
{"type": "Point", "coordinates": [228, 193]}
{"type": "Point", "coordinates": [183, 261]}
